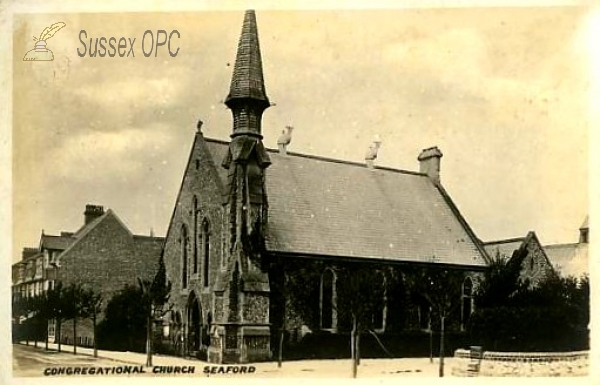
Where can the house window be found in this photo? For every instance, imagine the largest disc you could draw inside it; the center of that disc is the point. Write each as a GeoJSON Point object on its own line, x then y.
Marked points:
{"type": "Point", "coordinates": [467, 302]}
{"type": "Point", "coordinates": [206, 250]}
{"type": "Point", "coordinates": [184, 257]}
{"type": "Point", "coordinates": [195, 216]}
{"type": "Point", "coordinates": [424, 315]}
{"type": "Point", "coordinates": [328, 300]}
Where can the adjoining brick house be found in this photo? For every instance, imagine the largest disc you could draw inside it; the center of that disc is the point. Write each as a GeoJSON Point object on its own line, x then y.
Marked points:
{"type": "Point", "coordinates": [246, 217]}
{"type": "Point", "coordinates": [103, 255]}
{"type": "Point", "coordinates": [571, 259]}
{"type": "Point", "coordinates": [536, 265]}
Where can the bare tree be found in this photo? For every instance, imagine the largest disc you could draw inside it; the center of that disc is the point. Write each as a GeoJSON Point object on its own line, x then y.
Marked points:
{"type": "Point", "coordinates": [360, 293]}
{"type": "Point", "coordinates": [91, 307]}
{"type": "Point", "coordinates": [441, 288]}
{"type": "Point", "coordinates": [155, 296]}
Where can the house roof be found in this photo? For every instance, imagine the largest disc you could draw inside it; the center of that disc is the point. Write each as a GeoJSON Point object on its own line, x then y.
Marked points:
{"type": "Point", "coordinates": [56, 242]}
{"type": "Point", "coordinates": [503, 248]}
{"type": "Point", "coordinates": [570, 259]}
{"type": "Point", "coordinates": [328, 207]}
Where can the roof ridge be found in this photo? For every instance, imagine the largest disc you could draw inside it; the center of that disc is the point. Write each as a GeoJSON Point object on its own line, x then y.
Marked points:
{"type": "Point", "coordinates": [507, 240]}
{"type": "Point", "coordinates": [327, 159]}
{"type": "Point", "coordinates": [148, 237]}
{"type": "Point", "coordinates": [563, 244]}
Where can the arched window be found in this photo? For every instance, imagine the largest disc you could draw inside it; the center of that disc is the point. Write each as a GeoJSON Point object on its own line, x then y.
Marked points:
{"type": "Point", "coordinates": [531, 263]}
{"type": "Point", "coordinates": [195, 216]}
{"type": "Point", "coordinates": [467, 302]}
{"type": "Point", "coordinates": [380, 309]}
{"type": "Point", "coordinates": [184, 257]}
{"type": "Point", "coordinates": [206, 250]}
{"type": "Point", "coordinates": [424, 314]}
{"type": "Point", "coordinates": [224, 247]}
{"type": "Point", "coordinates": [328, 300]}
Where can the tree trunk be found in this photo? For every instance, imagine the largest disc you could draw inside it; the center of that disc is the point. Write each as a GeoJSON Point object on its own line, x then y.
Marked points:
{"type": "Point", "coordinates": [149, 340]}
{"type": "Point", "coordinates": [430, 344]}
{"type": "Point", "coordinates": [280, 353]}
{"type": "Point", "coordinates": [57, 332]}
{"type": "Point", "coordinates": [442, 319]}
{"type": "Point", "coordinates": [353, 347]}
{"type": "Point", "coordinates": [46, 333]}
{"type": "Point", "coordinates": [74, 335]}
{"type": "Point", "coordinates": [95, 345]}
{"type": "Point", "coordinates": [357, 347]}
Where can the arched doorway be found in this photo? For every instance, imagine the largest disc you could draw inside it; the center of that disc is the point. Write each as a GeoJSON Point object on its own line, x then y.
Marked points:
{"type": "Point", "coordinates": [194, 324]}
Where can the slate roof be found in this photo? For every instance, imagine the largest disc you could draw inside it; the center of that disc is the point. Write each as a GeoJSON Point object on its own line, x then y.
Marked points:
{"type": "Point", "coordinates": [56, 242]}
{"type": "Point", "coordinates": [569, 259]}
{"type": "Point", "coordinates": [504, 248]}
{"type": "Point", "coordinates": [327, 207]}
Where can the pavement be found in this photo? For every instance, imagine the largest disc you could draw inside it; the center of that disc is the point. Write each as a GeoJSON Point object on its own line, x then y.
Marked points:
{"type": "Point", "coordinates": [369, 368]}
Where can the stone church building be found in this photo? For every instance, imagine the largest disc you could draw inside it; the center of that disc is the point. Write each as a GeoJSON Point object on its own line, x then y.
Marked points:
{"type": "Point", "coordinates": [250, 220]}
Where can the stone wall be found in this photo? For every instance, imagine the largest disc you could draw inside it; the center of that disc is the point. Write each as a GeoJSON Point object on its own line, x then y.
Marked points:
{"type": "Point", "coordinates": [200, 181]}
{"type": "Point", "coordinates": [106, 259]}
{"type": "Point", "coordinates": [535, 266]}
{"type": "Point", "coordinates": [509, 364]}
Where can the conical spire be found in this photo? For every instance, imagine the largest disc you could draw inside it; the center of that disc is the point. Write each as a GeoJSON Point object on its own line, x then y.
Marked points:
{"type": "Point", "coordinates": [247, 80]}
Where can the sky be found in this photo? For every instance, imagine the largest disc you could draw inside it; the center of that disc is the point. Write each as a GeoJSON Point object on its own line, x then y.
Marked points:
{"type": "Point", "coordinates": [503, 92]}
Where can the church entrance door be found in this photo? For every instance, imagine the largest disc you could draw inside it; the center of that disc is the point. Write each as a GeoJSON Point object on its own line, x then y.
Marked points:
{"type": "Point", "coordinates": [195, 324]}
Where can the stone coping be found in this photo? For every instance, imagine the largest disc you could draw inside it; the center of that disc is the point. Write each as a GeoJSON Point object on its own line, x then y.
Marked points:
{"type": "Point", "coordinates": [525, 356]}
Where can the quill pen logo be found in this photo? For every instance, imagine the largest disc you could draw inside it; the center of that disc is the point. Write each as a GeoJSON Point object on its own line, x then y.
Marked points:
{"type": "Point", "coordinates": [41, 52]}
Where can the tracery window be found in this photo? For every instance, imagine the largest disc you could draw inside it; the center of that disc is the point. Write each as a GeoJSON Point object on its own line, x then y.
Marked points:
{"type": "Point", "coordinates": [184, 257]}
{"type": "Point", "coordinates": [206, 250]}
{"type": "Point", "coordinates": [328, 300]}
{"type": "Point", "coordinates": [467, 302]}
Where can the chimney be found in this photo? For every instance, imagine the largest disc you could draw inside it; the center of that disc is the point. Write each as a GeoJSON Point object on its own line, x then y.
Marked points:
{"type": "Point", "coordinates": [285, 139]}
{"type": "Point", "coordinates": [429, 161]}
{"type": "Point", "coordinates": [371, 154]}
{"type": "Point", "coordinates": [92, 212]}
{"type": "Point", "coordinates": [584, 231]}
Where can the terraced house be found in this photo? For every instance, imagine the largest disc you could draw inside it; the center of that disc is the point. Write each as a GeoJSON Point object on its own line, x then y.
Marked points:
{"type": "Point", "coordinates": [249, 223]}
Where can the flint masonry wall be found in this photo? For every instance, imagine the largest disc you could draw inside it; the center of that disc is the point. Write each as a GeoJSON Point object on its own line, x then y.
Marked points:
{"type": "Point", "coordinates": [509, 364]}
{"type": "Point", "coordinates": [202, 181]}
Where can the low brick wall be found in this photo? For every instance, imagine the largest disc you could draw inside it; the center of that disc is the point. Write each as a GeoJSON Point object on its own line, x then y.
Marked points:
{"type": "Point", "coordinates": [507, 364]}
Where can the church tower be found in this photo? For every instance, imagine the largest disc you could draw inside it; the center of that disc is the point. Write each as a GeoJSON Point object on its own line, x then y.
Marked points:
{"type": "Point", "coordinates": [241, 332]}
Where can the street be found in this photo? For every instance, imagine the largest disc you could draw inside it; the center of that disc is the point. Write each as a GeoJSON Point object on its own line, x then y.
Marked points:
{"type": "Point", "coordinates": [32, 362]}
